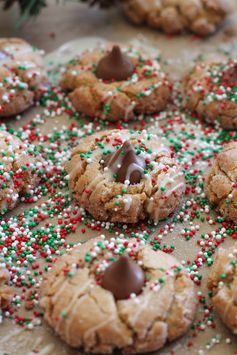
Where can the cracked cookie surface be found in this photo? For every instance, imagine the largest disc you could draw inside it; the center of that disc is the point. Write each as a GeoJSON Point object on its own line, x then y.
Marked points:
{"type": "Point", "coordinates": [202, 17]}
{"type": "Point", "coordinates": [20, 170]}
{"type": "Point", "coordinates": [87, 316]}
{"type": "Point", "coordinates": [22, 76]}
{"type": "Point", "coordinates": [156, 195]}
{"type": "Point", "coordinates": [222, 282]}
{"type": "Point", "coordinates": [210, 90]}
{"type": "Point", "coordinates": [146, 91]}
{"type": "Point", "coordinates": [221, 182]}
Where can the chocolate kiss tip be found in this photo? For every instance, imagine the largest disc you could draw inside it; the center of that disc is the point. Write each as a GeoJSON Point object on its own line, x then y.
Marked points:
{"type": "Point", "coordinates": [123, 277]}
{"type": "Point", "coordinates": [116, 51]}
{"type": "Point", "coordinates": [114, 66]}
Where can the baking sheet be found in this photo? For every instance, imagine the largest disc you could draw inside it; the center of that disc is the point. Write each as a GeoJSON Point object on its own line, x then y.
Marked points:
{"type": "Point", "coordinates": [177, 57]}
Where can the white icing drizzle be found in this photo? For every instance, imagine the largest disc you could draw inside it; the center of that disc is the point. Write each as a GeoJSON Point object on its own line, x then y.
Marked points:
{"type": "Point", "coordinates": [37, 343]}
{"type": "Point", "coordinates": [172, 178]}
{"type": "Point", "coordinates": [141, 307]}
{"type": "Point", "coordinates": [97, 327]}
{"type": "Point", "coordinates": [72, 305]}
{"type": "Point", "coordinates": [129, 109]}
{"type": "Point", "coordinates": [71, 318]}
{"type": "Point", "coordinates": [60, 290]}
{"type": "Point", "coordinates": [13, 333]}
{"type": "Point", "coordinates": [109, 95]}
{"type": "Point", "coordinates": [94, 185]}
{"type": "Point", "coordinates": [133, 167]}
{"type": "Point", "coordinates": [175, 188]}
{"type": "Point", "coordinates": [118, 162]}
{"type": "Point", "coordinates": [128, 202]}
{"type": "Point", "coordinates": [73, 173]}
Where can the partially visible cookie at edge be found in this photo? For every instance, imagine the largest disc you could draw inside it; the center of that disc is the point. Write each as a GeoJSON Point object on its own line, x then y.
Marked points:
{"type": "Point", "coordinates": [116, 83]}
{"type": "Point", "coordinates": [86, 313]}
{"type": "Point", "coordinates": [202, 17]}
{"type": "Point", "coordinates": [222, 283]}
{"type": "Point", "coordinates": [20, 170]}
{"type": "Point", "coordinates": [6, 292]}
{"type": "Point", "coordinates": [210, 90]}
{"type": "Point", "coordinates": [22, 76]}
{"type": "Point", "coordinates": [221, 182]}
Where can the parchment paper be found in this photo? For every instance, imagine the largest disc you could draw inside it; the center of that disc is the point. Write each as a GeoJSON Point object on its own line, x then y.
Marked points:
{"type": "Point", "coordinates": [178, 56]}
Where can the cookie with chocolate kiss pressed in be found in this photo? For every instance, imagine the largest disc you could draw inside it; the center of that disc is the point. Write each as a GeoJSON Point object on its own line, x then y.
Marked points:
{"type": "Point", "coordinates": [114, 82]}
{"type": "Point", "coordinates": [90, 316]}
{"type": "Point", "coordinates": [125, 176]}
{"type": "Point", "coordinates": [22, 76]}
{"type": "Point", "coordinates": [210, 90]}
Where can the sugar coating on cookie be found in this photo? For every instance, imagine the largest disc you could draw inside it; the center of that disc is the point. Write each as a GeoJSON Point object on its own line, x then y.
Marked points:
{"type": "Point", "coordinates": [6, 292]}
{"type": "Point", "coordinates": [211, 91]}
{"type": "Point", "coordinates": [87, 316]}
{"type": "Point", "coordinates": [133, 185]}
{"type": "Point", "coordinates": [220, 184]}
{"type": "Point", "coordinates": [20, 170]}
{"type": "Point", "coordinates": [222, 282]}
{"type": "Point", "coordinates": [202, 17]}
{"type": "Point", "coordinates": [146, 91]}
{"type": "Point", "coordinates": [22, 76]}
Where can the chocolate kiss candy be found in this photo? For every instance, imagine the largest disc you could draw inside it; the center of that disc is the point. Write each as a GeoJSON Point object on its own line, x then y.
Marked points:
{"type": "Point", "coordinates": [114, 65]}
{"type": "Point", "coordinates": [126, 164]}
{"type": "Point", "coordinates": [123, 277]}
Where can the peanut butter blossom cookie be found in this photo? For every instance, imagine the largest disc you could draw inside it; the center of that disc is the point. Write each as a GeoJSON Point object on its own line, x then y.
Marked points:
{"type": "Point", "coordinates": [221, 183]}
{"type": "Point", "coordinates": [211, 91]}
{"type": "Point", "coordinates": [222, 283]}
{"type": "Point", "coordinates": [114, 83]}
{"type": "Point", "coordinates": [202, 17]}
{"type": "Point", "coordinates": [118, 294]}
{"type": "Point", "coordinates": [20, 170]}
{"type": "Point", "coordinates": [22, 76]}
{"type": "Point", "coordinates": [125, 176]}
